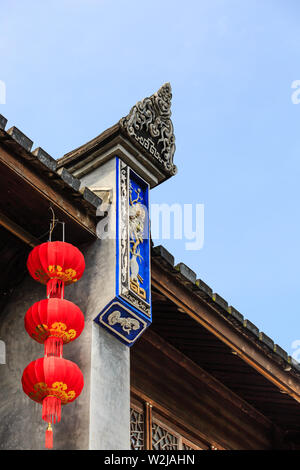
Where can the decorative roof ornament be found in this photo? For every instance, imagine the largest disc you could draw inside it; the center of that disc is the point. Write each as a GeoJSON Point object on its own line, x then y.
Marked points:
{"type": "Point", "coordinates": [149, 123]}
{"type": "Point", "coordinates": [144, 140]}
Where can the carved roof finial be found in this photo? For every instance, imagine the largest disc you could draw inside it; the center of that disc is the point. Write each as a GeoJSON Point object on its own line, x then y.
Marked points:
{"type": "Point", "coordinates": [149, 123]}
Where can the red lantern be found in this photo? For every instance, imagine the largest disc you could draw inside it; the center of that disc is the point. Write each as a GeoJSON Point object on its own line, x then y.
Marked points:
{"type": "Point", "coordinates": [56, 264]}
{"type": "Point", "coordinates": [54, 322]}
{"type": "Point", "coordinates": [52, 381]}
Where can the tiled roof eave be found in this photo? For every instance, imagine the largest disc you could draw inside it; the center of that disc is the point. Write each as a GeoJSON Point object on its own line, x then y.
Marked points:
{"type": "Point", "coordinates": [188, 278]}
{"type": "Point", "coordinates": [15, 140]}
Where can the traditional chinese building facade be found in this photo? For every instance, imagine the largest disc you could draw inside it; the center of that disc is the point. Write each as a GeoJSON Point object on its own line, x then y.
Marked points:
{"type": "Point", "coordinates": [167, 364]}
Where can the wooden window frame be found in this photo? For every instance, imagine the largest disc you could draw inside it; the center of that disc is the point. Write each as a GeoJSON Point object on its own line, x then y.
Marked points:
{"type": "Point", "coordinates": [153, 412]}
{"type": "Point", "coordinates": [180, 439]}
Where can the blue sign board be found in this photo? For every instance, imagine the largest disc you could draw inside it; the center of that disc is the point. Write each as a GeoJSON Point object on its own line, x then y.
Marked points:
{"type": "Point", "coordinates": [129, 313]}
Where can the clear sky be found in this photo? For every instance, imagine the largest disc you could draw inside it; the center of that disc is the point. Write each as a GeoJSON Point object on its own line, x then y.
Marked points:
{"type": "Point", "coordinates": [72, 68]}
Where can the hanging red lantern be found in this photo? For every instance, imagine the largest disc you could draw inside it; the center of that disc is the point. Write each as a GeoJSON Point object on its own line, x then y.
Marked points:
{"type": "Point", "coordinates": [56, 264]}
{"type": "Point", "coordinates": [52, 381]}
{"type": "Point", "coordinates": [54, 322]}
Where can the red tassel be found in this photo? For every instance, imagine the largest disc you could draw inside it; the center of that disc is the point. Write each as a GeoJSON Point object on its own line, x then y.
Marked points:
{"type": "Point", "coordinates": [55, 288]}
{"type": "Point", "coordinates": [53, 346]}
{"type": "Point", "coordinates": [49, 437]}
{"type": "Point", "coordinates": [51, 409]}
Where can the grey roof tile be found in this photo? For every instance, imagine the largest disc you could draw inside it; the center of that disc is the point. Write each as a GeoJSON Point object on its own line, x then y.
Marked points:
{"type": "Point", "coordinates": [187, 272]}
{"type": "Point", "coordinates": [266, 340]}
{"type": "Point", "coordinates": [91, 197]}
{"type": "Point", "coordinates": [3, 122]}
{"type": "Point", "coordinates": [21, 138]}
{"type": "Point", "coordinates": [204, 287]}
{"type": "Point", "coordinates": [66, 176]}
{"type": "Point", "coordinates": [251, 327]}
{"type": "Point", "coordinates": [281, 352]}
{"type": "Point", "coordinates": [165, 254]}
{"type": "Point", "coordinates": [236, 314]}
{"type": "Point", "coordinates": [220, 301]}
{"type": "Point", "coordinates": [295, 364]}
{"type": "Point", "coordinates": [45, 158]}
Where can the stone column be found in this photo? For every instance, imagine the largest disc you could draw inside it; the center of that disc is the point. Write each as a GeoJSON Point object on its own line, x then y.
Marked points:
{"type": "Point", "coordinates": [109, 397]}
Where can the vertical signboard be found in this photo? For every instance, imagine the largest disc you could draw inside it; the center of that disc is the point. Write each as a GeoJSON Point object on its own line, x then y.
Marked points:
{"type": "Point", "coordinates": [129, 313]}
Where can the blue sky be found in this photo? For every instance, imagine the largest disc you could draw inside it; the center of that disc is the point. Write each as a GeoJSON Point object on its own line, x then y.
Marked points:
{"type": "Point", "coordinates": [73, 68]}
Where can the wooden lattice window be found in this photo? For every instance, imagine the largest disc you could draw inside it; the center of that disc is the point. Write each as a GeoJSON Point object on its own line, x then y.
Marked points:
{"type": "Point", "coordinates": [136, 429]}
{"type": "Point", "coordinates": [148, 432]}
{"type": "Point", "coordinates": [162, 439]}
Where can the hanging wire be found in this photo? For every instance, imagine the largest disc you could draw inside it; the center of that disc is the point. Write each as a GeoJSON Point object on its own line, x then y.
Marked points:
{"type": "Point", "coordinates": [63, 231]}
{"type": "Point", "coordinates": [52, 223]}
{"type": "Point", "coordinates": [23, 252]}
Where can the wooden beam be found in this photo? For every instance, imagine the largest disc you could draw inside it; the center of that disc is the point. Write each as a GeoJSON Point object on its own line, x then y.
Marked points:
{"type": "Point", "coordinates": [16, 230]}
{"type": "Point", "coordinates": [220, 327]}
{"type": "Point", "coordinates": [147, 425]}
{"type": "Point", "coordinates": [229, 398]}
{"type": "Point", "coordinates": [54, 196]}
{"type": "Point", "coordinates": [185, 400]}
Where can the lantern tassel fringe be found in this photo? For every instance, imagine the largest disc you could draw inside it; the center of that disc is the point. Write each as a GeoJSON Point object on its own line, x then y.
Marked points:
{"type": "Point", "coordinates": [55, 288]}
{"type": "Point", "coordinates": [49, 437]}
{"type": "Point", "coordinates": [51, 409]}
{"type": "Point", "coordinates": [53, 346]}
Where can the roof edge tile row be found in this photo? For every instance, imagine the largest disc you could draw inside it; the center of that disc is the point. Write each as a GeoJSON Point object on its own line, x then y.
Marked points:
{"type": "Point", "coordinates": [189, 278]}
{"type": "Point", "coordinates": [45, 163]}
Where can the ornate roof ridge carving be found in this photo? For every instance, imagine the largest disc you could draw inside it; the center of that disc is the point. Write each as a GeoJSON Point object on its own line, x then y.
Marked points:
{"type": "Point", "coordinates": [149, 123]}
